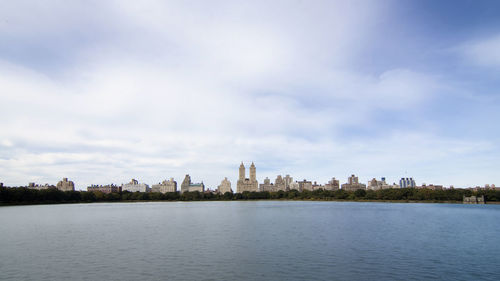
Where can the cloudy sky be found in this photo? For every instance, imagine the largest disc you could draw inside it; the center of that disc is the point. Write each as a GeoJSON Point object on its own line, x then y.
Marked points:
{"type": "Point", "coordinates": [106, 91]}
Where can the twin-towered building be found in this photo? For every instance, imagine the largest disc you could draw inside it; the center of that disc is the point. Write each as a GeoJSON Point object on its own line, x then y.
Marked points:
{"type": "Point", "coordinates": [247, 184]}
{"type": "Point", "coordinates": [243, 184]}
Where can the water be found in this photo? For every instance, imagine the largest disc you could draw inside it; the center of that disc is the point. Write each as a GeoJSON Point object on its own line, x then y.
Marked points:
{"type": "Point", "coordinates": [259, 240]}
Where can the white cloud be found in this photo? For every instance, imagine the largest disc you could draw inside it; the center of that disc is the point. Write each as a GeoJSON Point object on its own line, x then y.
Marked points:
{"type": "Point", "coordinates": [170, 88]}
{"type": "Point", "coordinates": [485, 52]}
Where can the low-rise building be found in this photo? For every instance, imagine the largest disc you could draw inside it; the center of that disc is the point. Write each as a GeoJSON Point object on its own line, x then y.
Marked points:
{"type": "Point", "coordinates": [188, 186]}
{"type": "Point", "coordinates": [165, 186]}
{"type": "Point", "coordinates": [135, 186]}
{"type": "Point", "coordinates": [65, 185]}
{"type": "Point", "coordinates": [474, 199]}
{"type": "Point", "coordinates": [109, 188]}
{"type": "Point", "coordinates": [353, 184]}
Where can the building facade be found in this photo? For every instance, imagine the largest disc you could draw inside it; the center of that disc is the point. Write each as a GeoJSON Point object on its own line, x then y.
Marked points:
{"type": "Point", "coordinates": [32, 185]}
{"type": "Point", "coordinates": [225, 186]}
{"type": "Point", "coordinates": [188, 186]}
{"type": "Point", "coordinates": [267, 186]}
{"type": "Point", "coordinates": [375, 184]}
{"type": "Point", "coordinates": [110, 188]}
{"type": "Point", "coordinates": [135, 186]}
{"type": "Point", "coordinates": [353, 184]}
{"type": "Point", "coordinates": [279, 183]}
{"type": "Point", "coordinates": [247, 184]}
{"type": "Point", "coordinates": [65, 185]}
{"type": "Point", "coordinates": [305, 185]}
{"type": "Point", "coordinates": [474, 199]}
{"type": "Point", "coordinates": [332, 184]}
{"type": "Point", "coordinates": [406, 182]}
{"type": "Point", "coordinates": [165, 186]}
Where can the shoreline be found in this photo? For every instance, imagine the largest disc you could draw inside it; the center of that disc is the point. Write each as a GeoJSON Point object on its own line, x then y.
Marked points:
{"type": "Point", "coordinates": [3, 204]}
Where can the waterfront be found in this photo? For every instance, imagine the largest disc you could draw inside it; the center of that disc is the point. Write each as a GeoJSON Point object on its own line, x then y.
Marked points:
{"type": "Point", "coordinates": [250, 240]}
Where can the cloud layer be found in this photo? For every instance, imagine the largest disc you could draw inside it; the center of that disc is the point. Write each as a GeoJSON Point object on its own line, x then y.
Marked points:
{"type": "Point", "coordinates": [104, 92]}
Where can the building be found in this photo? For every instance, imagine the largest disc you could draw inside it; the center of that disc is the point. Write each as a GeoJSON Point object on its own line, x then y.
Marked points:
{"type": "Point", "coordinates": [225, 186]}
{"type": "Point", "coordinates": [165, 186]}
{"type": "Point", "coordinates": [305, 185]}
{"type": "Point", "coordinates": [135, 186]}
{"type": "Point", "coordinates": [474, 200]}
{"type": "Point", "coordinates": [374, 184]}
{"type": "Point", "coordinates": [283, 183]}
{"type": "Point", "coordinates": [188, 186]}
{"type": "Point", "coordinates": [289, 183]}
{"type": "Point", "coordinates": [332, 184]}
{"type": "Point", "coordinates": [316, 186]}
{"type": "Point", "coordinates": [431, 186]}
{"type": "Point", "coordinates": [32, 185]}
{"type": "Point", "coordinates": [406, 182]}
{"type": "Point", "coordinates": [109, 188]}
{"type": "Point", "coordinates": [247, 184]}
{"type": "Point", "coordinates": [294, 185]}
{"type": "Point", "coordinates": [279, 183]}
{"type": "Point", "coordinates": [353, 184]}
{"type": "Point", "coordinates": [267, 186]}
{"type": "Point", "coordinates": [65, 185]}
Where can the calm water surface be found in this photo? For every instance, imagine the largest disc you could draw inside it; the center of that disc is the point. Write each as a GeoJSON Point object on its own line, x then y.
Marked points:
{"type": "Point", "coordinates": [260, 240]}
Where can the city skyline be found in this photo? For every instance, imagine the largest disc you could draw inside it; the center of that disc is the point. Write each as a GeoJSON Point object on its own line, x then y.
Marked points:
{"type": "Point", "coordinates": [109, 91]}
{"type": "Point", "coordinates": [250, 184]}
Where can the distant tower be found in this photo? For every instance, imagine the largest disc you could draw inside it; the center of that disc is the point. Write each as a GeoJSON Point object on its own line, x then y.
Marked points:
{"type": "Point", "coordinates": [245, 184]}
{"type": "Point", "coordinates": [253, 174]}
{"type": "Point", "coordinates": [242, 172]}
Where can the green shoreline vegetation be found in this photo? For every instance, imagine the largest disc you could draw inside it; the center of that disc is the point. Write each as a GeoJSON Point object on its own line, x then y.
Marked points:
{"type": "Point", "coordinates": [22, 195]}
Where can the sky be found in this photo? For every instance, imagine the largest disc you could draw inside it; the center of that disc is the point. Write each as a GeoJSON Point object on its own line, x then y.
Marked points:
{"type": "Point", "coordinates": [105, 91]}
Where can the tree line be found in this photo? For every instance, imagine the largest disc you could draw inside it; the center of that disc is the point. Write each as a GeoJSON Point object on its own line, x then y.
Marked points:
{"type": "Point", "coordinates": [22, 195]}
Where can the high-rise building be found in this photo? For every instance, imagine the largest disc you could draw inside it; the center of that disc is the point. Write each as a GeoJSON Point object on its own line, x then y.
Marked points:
{"type": "Point", "coordinates": [32, 185]}
{"type": "Point", "coordinates": [225, 186]}
{"type": "Point", "coordinates": [305, 185]}
{"type": "Point", "coordinates": [165, 186]}
{"type": "Point", "coordinates": [279, 183]}
{"type": "Point", "coordinates": [135, 186]}
{"type": "Point", "coordinates": [187, 185]}
{"type": "Point", "coordinates": [289, 184]}
{"type": "Point", "coordinates": [353, 184]}
{"type": "Point", "coordinates": [332, 184]}
{"type": "Point", "coordinates": [247, 184]}
{"type": "Point", "coordinates": [374, 184]}
{"type": "Point", "coordinates": [267, 185]}
{"type": "Point", "coordinates": [406, 182]}
{"type": "Point", "coordinates": [65, 185]}
{"type": "Point", "coordinates": [110, 188]}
